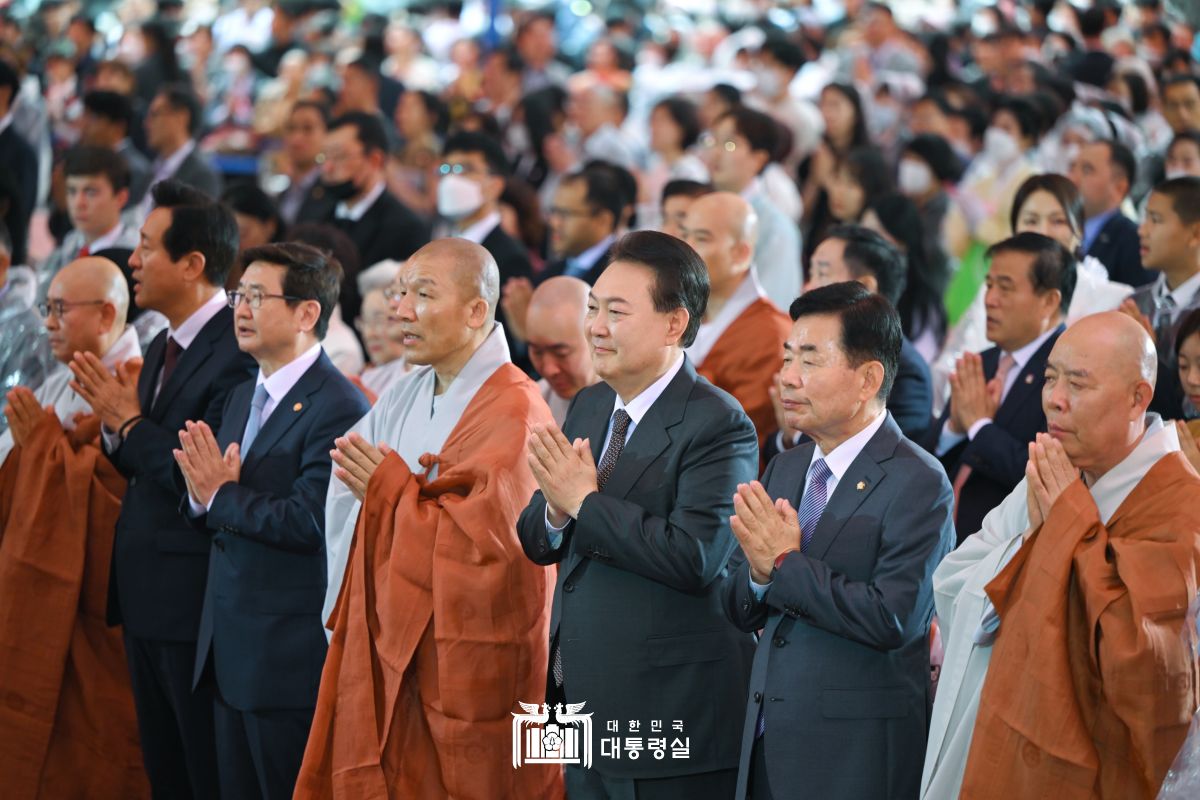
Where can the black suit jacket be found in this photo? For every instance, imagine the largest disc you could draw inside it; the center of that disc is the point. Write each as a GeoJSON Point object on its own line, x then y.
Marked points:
{"type": "Point", "coordinates": [1118, 248]}
{"type": "Point", "coordinates": [19, 159]}
{"type": "Point", "coordinates": [261, 625]}
{"type": "Point", "coordinates": [842, 667]}
{"type": "Point", "coordinates": [159, 560]}
{"type": "Point", "coordinates": [197, 172]}
{"type": "Point", "coordinates": [559, 267]}
{"type": "Point", "coordinates": [513, 262]}
{"type": "Point", "coordinates": [388, 229]}
{"type": "Point", "coordinates": [637, 606]}
{"type": "Point", "coordinates": [998, 453]}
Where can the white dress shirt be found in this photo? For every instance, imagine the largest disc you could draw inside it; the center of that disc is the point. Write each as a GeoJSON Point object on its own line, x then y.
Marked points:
{"type": "Point", "coordinates": [580, 265]}
{"type": "Point", "coordinates": [1181, 296]}
{"type": "Point", "coordinates": [636, 409]}
{"type": "Point", "coordinates": [838, 461]}
{"type": "Point", "coordinates": [355, 212]}
{"type": "Point", "coordinates": [480, 230]}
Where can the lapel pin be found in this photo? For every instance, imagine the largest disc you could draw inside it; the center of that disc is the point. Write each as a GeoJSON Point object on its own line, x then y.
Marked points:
{"type": "Point", "coordinates": [298, 406]}
{"type": "Point", "coordinates": [861, 485]}
{"type": "Point", "coordinates": [1029, 378]}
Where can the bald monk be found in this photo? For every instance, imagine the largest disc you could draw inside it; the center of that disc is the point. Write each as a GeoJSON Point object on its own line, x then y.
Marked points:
{"type": "Point", "coordinates": [740, 344]}
{"type": "Point", "coordinates": [1067, 607]}
{"type": "Point", "coordinates": [558, 346]}
{"type": "Point", "coordinates": [68, 721]}
{"type": "Point", "coordinates": [435, 639]}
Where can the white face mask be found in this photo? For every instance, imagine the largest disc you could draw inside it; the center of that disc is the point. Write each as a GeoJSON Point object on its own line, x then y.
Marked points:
{"type": "Point", "coordinates": [915, 177]}
{"type": "Point", "coordinates": [1001, 145]}
{"type": "Point", "coordinates": [458, 196]}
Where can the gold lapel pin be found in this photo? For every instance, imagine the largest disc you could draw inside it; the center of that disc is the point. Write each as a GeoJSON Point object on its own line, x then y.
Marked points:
{"type": "Point", "coordinates": [298, 406]}
{"type": "Point", "coordinates": [1029, 378]}
{"type": "Point", "coordinates": [861, 485]}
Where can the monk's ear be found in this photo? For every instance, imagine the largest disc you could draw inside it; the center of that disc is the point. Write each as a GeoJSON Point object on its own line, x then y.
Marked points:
{"type": "Point", "coordinates": [477, 313]}
{"type": "Point", "coordinates": [108, 316]}
{"type": "Point", "coordinates": [1143, 393]}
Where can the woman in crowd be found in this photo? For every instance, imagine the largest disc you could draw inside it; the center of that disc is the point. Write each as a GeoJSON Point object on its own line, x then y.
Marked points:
{"type": "Point", "coordinates": [674, 130]}
{"type": "Point", "coordinates": [845, 129]}
{"type": "Point", "coordinates": [1187, 344]}
{"type": "Point", "coordinates": [928, 174]}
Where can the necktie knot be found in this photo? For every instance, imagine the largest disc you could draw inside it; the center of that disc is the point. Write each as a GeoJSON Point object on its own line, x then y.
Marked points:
{"type": "Point", "coordinates": [259, 401]}
{"type": "Point", "coordinates": [255, 420]}
{"type": "Point", "coordinates": [621, 420]}
{"type": "Point", "coordinates": [820, 473]}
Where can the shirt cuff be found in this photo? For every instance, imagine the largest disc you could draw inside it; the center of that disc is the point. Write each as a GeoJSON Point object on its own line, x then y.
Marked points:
{"type": "Point", "coordinates": [195, 508]}
{"type": "Point", "coordinates": [759, 589]}
{"type": "Point", "coordinates": [553, 533]}
{"type": "Point", "coordinates": [948, 439]}
{"type": "Point", "coordinates": [110, 438]}
{"type": "Point", "coordinates": [974, 430]}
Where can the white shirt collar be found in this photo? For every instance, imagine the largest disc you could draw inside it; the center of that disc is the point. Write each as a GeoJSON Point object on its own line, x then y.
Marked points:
{"type": "Point", "coordinates": [124, 348]}
{"type": "Point", "coordinates": [638, 406]}
{"type": "Point", "coordinates": [1022, 355]}
{"type": "Point", "coordinates": [1183, 294]}
{"type": "Point", "coordinates": [753, 189]}
{"type": "Point", "coordinates": [589, 257]}
{"type": "Point", "coordinates": [1115, 485]}
{"type": "Point", "coordinates": [170, 165]}
{"type": "Point", "coordinates": [7, 119]}
{"type": "Point", "coordinates": [844, 454]}
{"type": "Point", "coordinates": [479, 231]}
{"type": "Point", "coordinates": [710, 333]}
{"type": "Point", "coordinates": [355, 212]}
{"type": "Point", "coordinates": [107, 240]}
{"type": "Point", "coordinates": [191, 327]}
{"type": "Point", "coordinates": [283, 379]}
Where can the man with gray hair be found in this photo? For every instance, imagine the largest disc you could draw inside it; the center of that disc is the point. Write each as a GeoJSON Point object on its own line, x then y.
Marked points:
{"type": "Point", "coordinates": [739, 346]}
{"type": "Point", "coordinates": [445, 631]}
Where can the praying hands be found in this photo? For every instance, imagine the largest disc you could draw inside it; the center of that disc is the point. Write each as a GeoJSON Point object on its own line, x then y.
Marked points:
{"type": "Point", "coordinates": [357, 461]}
{"type": "Point", "coordinates": [763, 528]}
{"type": "Point", "coordinates": [565, 471]}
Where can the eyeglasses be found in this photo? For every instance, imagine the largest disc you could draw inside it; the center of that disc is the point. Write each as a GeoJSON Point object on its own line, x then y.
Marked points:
{"type": "Point", "coordinates": [461, 169]}
{"type": "Point", "coordinates": [254, 298]}
{"type": "Point", "coordinates": [708, 142]}
{"type": "Point", "coordinates": [56, 308]}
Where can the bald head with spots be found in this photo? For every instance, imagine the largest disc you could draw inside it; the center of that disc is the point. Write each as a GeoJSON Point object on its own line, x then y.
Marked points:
{"type": "Point", "coordinates": [95, 303]}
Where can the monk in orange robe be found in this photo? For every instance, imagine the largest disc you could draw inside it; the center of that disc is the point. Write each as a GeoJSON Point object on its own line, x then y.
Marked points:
{"type": "Point", "coordinates": [1092, 684]}
{"type": "Point", "coordinates": [739, 347]}
{"type": "Point", "coordinates": [440, 625]}
{"type": "Point", "coordinates": [67, 723]}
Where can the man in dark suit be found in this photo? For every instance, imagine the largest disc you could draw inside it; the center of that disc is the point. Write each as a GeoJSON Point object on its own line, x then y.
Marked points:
{"type": "Point", "coordinates": [355, 198]}
{"type": "Point", "coordinates": [17, 156]}
{"type": "Point", "coordinates": [1104, 171]}
{"type": "Point", "coordinates": [842, 589]}
{"type": "Point", "coordinates": [637, 630]}
{"type": "Point", "coordinates": [156, 585]}
{"type": "Point", "coordinates": [257, 488]}
{"type": "Point", "coordinates": [995, 407]}
{"type": "Point", "coordinates": [855, 253]}
{"type": "Point", "coordinates": [172, 122]}
{"type": "Point", "coordinates": [106, 121]}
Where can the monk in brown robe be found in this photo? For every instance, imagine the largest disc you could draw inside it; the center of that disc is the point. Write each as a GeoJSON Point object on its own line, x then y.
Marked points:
{"type": "Point", "coordinates": [1091, 684]}
{"type": "Point", "coordinates": [440, 625]}
{"type": "Point", "coordinates": [739, 346]}
{"type": "Point", "coordinates": [67, 724]}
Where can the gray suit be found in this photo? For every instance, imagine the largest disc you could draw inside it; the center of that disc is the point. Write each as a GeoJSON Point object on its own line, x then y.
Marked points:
{"type": "Point", "coordinates": [637, 607]}
{"type": "Point", "coordinates": [843, 661]}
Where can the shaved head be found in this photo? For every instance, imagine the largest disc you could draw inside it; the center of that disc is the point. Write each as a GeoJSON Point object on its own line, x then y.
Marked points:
{"type": "Point", "coordinates": [722, 227]}
{"type": "Point", "coordinates": [728, 212]}
{"type": "Point", "coordinates": [469, 265]}
{"type": "Point", "coordinates": [1100, 379]}
{"type": "Point", "coordinates": [557, 339]}
{"type": "Point", "coordinates": [95, 304]}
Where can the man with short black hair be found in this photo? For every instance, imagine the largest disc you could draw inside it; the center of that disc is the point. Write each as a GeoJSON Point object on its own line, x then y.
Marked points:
{"type": "Point", "coordinates": [995, 407]}
{"type": "Point", "coordinates": [172, 122]}
{"type": "Point", "coordinates": [1104, 171]}
{"type": "Point", "coordinates": [635, 494]}
{"type": "Point", "coordinates": [156, 586]}
{"type": "Point", "coordinates": [256, 485]}
{"type": "Point", "coordinates": [840, 590]}
{"type": "Point", "coordinates": [677, 198]}
{"type": "Point", "coordinates": [106, 122]}
{"type": "Point", "coordinates": [303, 142]}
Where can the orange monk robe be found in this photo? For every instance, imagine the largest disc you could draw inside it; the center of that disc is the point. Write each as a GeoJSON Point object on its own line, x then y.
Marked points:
{"type": "Point", "coordinates": [67, 724]}
{"type": "Point", "coordinates": [745, 359]}
{"type": "Point", "coordinates": [437, 638]}
{"type": "Point", "coordinates": [1092, 685]}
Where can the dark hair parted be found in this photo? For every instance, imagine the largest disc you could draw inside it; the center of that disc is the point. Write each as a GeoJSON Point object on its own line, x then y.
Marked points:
{"type": "Point", "coordinates": [758, 128]}
{"type": "Point", "coordinates": [682, 187]}
{"type": "Point", "coordinates": [1190, 326]}
{"type": "Point", "coordinates": [1184, 193]}
{"type": "Point", "coordinates": [309, 274]}
{"type": "Point", "coordinates": [868, 253]}
{"type": "Point", "coordinates": [603, 192]}
{"type": "Point", "coordinates": [180, 97]}
{"type": "Point", "coordinates": [199, 224]}
{"type": "Point", "coordinates": [870, 325]}
{"type": "Point", "coordinates": [111, 106]}
{"type": "Point", "coordinates": [680, 277]}
{"type": "Point", "coordinates": [1061, 188]}
{"type": "Point", "coordinates": [88, 161]}
{"type": "Point", "coordinates": [684, 114]}
{"type": "Point", "coordinates": [486, 146]}
{"type": "Point", "coordinates": [1053, 266]}
{"type": "Point", "coordinates": [368, 129]}
{"type": "Point", "coordinates": [1121, 159]}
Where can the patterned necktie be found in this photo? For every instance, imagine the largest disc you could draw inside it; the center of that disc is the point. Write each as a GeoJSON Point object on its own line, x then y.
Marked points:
{"type": "Point", "coordinates": [254, 422]}
{"type": "Point", "coordinates": [813, 505]}
{"type": "Point", "coordinates": [170, 359]}
{"type": "Point", "coordinates": [608, 462]}
{"type": "Point", "coordinates": [1007, 362]}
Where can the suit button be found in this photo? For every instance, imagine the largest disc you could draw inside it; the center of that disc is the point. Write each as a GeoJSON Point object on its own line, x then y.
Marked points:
{"type": "Point", "coordinates": [779, 641]}
{"type": "Point", "coordinates": [133, 481]}
{"type": "Point", "coordinates": [568, 587]}
{"type": "Point", "coordinates": [758, 697]}
{"type": "Point", "coordinates": [746, 605]}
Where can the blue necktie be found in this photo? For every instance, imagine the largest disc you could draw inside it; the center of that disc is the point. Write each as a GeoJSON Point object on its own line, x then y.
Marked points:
{"type": "Point", "coordinates": [811, 507]}
{"type": "Point", "coordinates": [254, 423]}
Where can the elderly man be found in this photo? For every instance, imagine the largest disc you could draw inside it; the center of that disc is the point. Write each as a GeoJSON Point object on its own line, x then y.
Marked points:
{"type": "Point", "coordinates": [558, 345]}
{"type": "Point", "coordinates": [1098, 620]}
{"type": "Point", "coordinates": [257, 487]}
{"type": "Point", "coordinates": [634, 493]}
{"type": "Point", "coordinates": [59, 500]}
{"type": "Point", "coordinates": [739, 346]}
{"type": "Point", "coordinates": [443, 633]}
{"type": "Point", "coordinates": [842, 589]}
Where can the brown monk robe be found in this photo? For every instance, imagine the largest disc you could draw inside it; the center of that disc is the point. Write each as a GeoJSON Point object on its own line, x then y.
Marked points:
{"type": "Point", "coordinates": [1092, 683]}
{"type": "Point", "coordinates": [441, 624]}
{"type": "Point", "coordinates": [67, 724]}
{"type": "Point", "coordinates": [739, 347]}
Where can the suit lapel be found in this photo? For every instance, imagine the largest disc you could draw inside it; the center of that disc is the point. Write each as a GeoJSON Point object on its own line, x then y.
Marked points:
{"type": "Point", "coordinates": [194, 357]}
{"type": "Point", "coordinates": [238, 414]}
{"type": "Point", "coordinates": [151, 367]}
{"type": "Point", "coordinates": [1029, 381]}
{"type": "Point", "coordinates": [291, 407]}
{"type": "Point", "coordinates": [855, 486]}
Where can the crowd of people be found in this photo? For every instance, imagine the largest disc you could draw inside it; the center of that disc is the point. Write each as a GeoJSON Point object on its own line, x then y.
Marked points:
{"type": "Point", "coordinates": [773, 400]}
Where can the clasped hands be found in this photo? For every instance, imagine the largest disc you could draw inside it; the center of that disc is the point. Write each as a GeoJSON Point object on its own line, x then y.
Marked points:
{"type": "Point", "coordinates": [1048, 474]}
{"type": "Point", "coordinates": [972, 396]}
{"type": "Point", "coordinates": [764, 528]}
{"type": "Point", "coordinates": [565, 472]}
{"type": "Point", "coordinates": [205, 468]}
{"type": "Point", "coordinates": [356, 461]}
{"type": "Point", "coordinates": [23, 413]}
{"type": "Point", "coordinates": [113, 398]}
